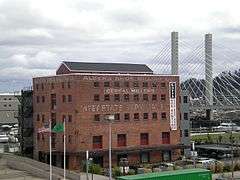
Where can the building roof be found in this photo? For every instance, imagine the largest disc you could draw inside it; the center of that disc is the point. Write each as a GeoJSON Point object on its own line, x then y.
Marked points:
{"type": "Point", "coordinates": [164, 174]}
{"type": "Point", "coordinates": [107, 67]}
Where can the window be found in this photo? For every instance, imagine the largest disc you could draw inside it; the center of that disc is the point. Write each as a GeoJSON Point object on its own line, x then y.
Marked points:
{"type": "Point", "coordinates": [136, 97]}
{"type": "Point", "coordinates": [126, 84]}
{"type": "Point", "coordinates": [116, 97]}
{"type": "Point", "coordinates": [10, 99]}
{"type": "Point", "coordinates": [186, 134]}
{"type": "Point", "coordinates": [163, 97]}
{"type": "Point", "coordinates": [37, 86]}
{"type": "Point", "coordinates": [154, 115]}
{"type": "Point", "coordinates": [96, 97]}
{"type": "Point", "coordinates": [96, 84]}
{"type": "Point", "coordinates": [126, 116]}
{"type": "Point", "coordinates": [43, 99]}
{"type": "Point", "coordinates": [145, 84]}
{"type": "Point", "coordinates": [144, 139]}
{"type": "Point", "coordinates": [69, 85]}
{"type": "Point", "coordinates": [9, 105]}
{"type": "Point", "coordinates": [144, 157]}
{"type": "Point", "coordinates": [145, 116]}
{"type": "Point", "coordinates": [97, 142]}
{"type": "Point", "coordinates": [154, 97]}
{"type": "Point", "coordinates": [154, 84]}
{"type": "Point", "coordinates": [106, 97]}
{"type": "Point", "coordinates": [37, 99]}
{"type": "Point", "coordinates": [38, 136]}
{"type": "Point", "coordinates": [52, 85]}
{"type": "Point", "coordinates": [70, 139]}
{"type": "Point", "coordinates": [38, 117]}
{"type": "Point", "coordinates": [63, 118]}
{"type": "Point", "coordinates": [135, 84]}
{"type": "Point", "coordinates": [42, 86]}
{"type": "Point", "coordinates": [69, 98]}
{"type": "Point", "coordinates": [97, 117]}
{"type": "Point", "coordinates": [42, 136]}
{"type": "Point", "coordinates": [63, 98]}
{"type": "Point", "coordinates": [106, 84]}
{"type": "Point", "coordinates": [145, 97]}
{"type": "Point", "coordinates": [126, 97]}
{"type": "Point", "coordinates": [116, 84]}
{"type": "Point", "coordinates": [43, 117]}
{"type": "Point", "coordinates": [53, 101]}
{"type": "Point", "coordinates": [165, 137]}
{"type": "Point", "coordinates": [185, 116]}
{"type": "Point", "coordinates": [163, 85]}
{"type": "Point", "coordinates": [5, 105]}
{"type": "Point", "coordinates": [164, 115]}
{"type": "Point", "coordinates": [69, 118]}
{"type": "Point", "coordinates": [136, 116]}
{"type": "Point", "coordinates": [63, 85]}
{"type": "Point", "coordinates": [117, 117]}
{"type": "Point", "coordinates": [185, 99]}
{"type": "Point", "coordinates": [121, 140]}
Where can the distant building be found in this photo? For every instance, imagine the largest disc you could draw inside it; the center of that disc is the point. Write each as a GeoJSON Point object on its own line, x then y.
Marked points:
{"type": "Point", "coordinates": [8, 108]}
{"type": "Point", "coordinates": [146, 108]}
{"type": "Point", "coordinates": [25, 119]}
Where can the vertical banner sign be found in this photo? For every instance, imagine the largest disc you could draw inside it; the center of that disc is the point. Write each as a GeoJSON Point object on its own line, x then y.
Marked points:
{"type": "Point", "coordinates": [173, 113]}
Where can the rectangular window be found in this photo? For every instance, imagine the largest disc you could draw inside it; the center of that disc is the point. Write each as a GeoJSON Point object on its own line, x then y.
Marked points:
{"type": "Point", "coordinates": [63, 98]}
{"type": "Point", "coordinates": [135, 84]}
{"type": "Point", "coordinates": [69, 118]}
{"type": "Point", "coordinates": [136, 97]}
{"type": "Point", "coordinates": [186, 134]}
{"type": "Point", "coordinates": [38, 117]}
{"type": "Point", "coordinates": [154, 115]}
{"type": "Point", "coordinates": [106, 84]}
{"type": "Point", "coordinates": [121, 140]}
{"type": "Point", "coordinates": [154, 84]}
{"type": "Point", "coordinates": [63, 118]}
{"type": "Point", "coordinates": [37, 87]}
{"type": "Point", "coordinates": [69, 139]}
{"type": "Point", "coordinates": [69, 85]}
{"type": "Point", "coordinates": [116, 84]}
{"type": "Point", "coordinates": [97, 117]}
{"type": "Point", "coordinates": [163, 85]}
{"type": "Point", "coordinates": [97, 142]}
{"type": "Point", "coordinates": [53, 101]}
{"type": "Point", "coordinates": [43, 99]}
{"type": "Point", "coordinates": [126, 97]}
{"type": "Point", "coordinates": [42, 136]}
{"type": "Point", "coordinates": [38, 136]}
{"type": "Point", "coordinates": [164, 115]}
{"type": "Point", "coordinates": [144, 139]}
{"type": "Point", "coordinates": [117, 117]}
{"type": "Point", "coordinates": [145, 84]}
{"type": "Point", "coordinates": [43, 117]}
{"type": "Point", "coordinates": [42, 86]}
{"type": "Point", "coordinates": [96, 97]}
{"type": "Point", "coordinates": [37, 99]}
{"type": "Point", "coordinates": [136, 116]}
{"type": "Point", "coordinates": [145, 97]}
{"type": "Point", "coordinates": [154, 97]}
{"type": "Point", "coordinates": [185, 99]}
{"type": "Point", "coordinates": [165, 137]}
{"type": "Point", "coordinates": [63, 85]}
{"type": "Point", "coordinates": [145, 116]}
{"type": "Point", "coordinates": [116, 97]}
{"type": "Point", "coordinates": [96, 84]}
{"type": "Point", "coordinates": [126, 84]}
{"type": "Point", "coordinates": [69, 98]}
{"type": "Point", "coordinates": [126, 116]}
{"type": "Point", "coordinates": [52, 85]}
{"type": "Point", "coordinates": [185, 116]}
{"type": "Point", "coordinates": [106, 97]}
{"type": "Point", "coordinates": [163, 97]}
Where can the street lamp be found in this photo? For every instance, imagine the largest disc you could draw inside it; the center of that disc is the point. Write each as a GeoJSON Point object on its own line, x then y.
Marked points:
{"type": "Point", "coordinates": [110, 119]}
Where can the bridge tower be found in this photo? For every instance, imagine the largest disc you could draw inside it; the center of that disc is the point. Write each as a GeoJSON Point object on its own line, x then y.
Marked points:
{"type": "Point", "coordinates": [174, 53]}
{"type": "Point", "coordinates": [208, 75]}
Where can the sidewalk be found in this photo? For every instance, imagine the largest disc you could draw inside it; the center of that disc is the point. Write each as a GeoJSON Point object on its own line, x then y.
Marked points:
{"type": "Point", "coordinates": [227, 175]}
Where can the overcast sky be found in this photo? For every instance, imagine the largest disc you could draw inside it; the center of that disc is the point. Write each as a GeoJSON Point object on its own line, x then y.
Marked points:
{"type": "Point", "coordinates": [36, 35]}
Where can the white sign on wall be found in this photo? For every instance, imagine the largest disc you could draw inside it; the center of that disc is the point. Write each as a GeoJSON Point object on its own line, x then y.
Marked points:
{"type": "Point", "coordinates": [173, 113]}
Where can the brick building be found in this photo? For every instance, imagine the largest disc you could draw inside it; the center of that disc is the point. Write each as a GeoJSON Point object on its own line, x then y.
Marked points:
{"type": "Point", "coordinates": [146, 108]}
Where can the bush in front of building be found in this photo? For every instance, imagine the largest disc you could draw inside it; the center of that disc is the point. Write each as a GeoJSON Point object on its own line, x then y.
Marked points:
{"type": "Point", "coordinates": [237, 166]}
{"type": "Point", "coordinates": [219, 167]}
{"type": "Point", "coordinates": [131, 172]}
{"type": "Point", "coordinates": [95, 169]}
{"type": "Point", "coordinates": [116, 172]}
{"type": "Point", "coordinates": [226, 168]}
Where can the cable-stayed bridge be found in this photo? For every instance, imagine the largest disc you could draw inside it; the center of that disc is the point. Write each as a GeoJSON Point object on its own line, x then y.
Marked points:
{"type": "Point", "coordinates": [209, 71]}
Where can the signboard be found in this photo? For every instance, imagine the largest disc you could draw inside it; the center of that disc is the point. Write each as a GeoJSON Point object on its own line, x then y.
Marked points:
{"type": "Point", "coordinates": [172, 98]}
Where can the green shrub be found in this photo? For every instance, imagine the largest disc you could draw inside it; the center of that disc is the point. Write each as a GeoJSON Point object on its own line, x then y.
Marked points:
{"type": "Point", "coordinates": [131, 172]}
{"type": "Point", "coordinates": [219, 167]}
{"type": "Point", "coordinates": [116, 172]}
{"type": "Point", "coordinates": [237, 167]}
{"type": "Point", "coordinates": [95, 169]}
{"type": "Point", "coordinates": [227, 168]}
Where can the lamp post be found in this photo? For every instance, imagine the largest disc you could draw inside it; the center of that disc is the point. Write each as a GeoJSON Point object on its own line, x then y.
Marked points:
{"type": "Point", "coordinates": [110, 119]}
